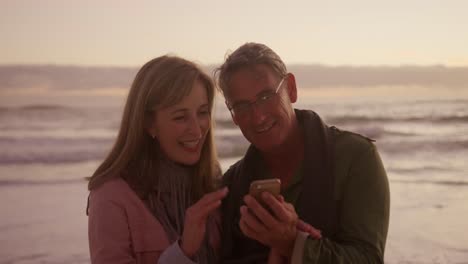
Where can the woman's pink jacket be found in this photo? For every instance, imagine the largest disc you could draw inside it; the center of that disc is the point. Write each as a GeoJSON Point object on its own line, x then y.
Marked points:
{"type": "Point", "coordinates": [121, 229]}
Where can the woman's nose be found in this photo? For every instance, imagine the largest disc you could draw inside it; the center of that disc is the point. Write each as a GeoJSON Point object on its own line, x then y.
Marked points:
{"type": "Point", "coordinates": [194, 127]}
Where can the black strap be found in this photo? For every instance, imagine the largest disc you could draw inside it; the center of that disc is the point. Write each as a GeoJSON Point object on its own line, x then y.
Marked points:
{"type": "Point", "coordinates": [316, 204]}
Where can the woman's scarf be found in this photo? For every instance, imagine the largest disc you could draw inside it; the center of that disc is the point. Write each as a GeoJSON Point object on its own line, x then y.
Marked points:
{"type": "Point", "coordinates": [170, 199]}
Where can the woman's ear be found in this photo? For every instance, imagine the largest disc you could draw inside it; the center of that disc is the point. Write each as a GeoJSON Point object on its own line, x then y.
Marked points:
{"type": "Point", "coordinates": [292, 89]}
{"type": "Point", "coordinates": [150, 125]}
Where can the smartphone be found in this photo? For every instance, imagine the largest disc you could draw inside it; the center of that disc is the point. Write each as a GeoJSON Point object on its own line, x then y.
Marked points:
{"type": "Point", "coordinates": [272, 186]}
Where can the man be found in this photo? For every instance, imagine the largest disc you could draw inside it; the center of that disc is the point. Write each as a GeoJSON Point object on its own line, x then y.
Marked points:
{"type": "Point", "coordinates": [334, 179]}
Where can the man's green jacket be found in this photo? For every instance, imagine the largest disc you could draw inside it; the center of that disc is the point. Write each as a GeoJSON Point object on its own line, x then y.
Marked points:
{"type": "Point", "coordinates": [341, 188]}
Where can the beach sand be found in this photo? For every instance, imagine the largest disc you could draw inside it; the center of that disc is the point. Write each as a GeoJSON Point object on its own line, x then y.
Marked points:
{"type": "Point", "coordinates": [44, 224]}
{"type": "Point", "coordinates": [45, 221]}
{"type": "Point", "coordinates": [428, 224]}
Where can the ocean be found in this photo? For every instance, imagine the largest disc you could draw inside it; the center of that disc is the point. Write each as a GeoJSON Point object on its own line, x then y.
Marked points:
{"type": "Point", "coordinates": [48, 144]}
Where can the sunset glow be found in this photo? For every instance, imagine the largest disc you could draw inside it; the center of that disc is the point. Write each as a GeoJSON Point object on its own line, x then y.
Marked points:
{"type": "Point", "coordinates": [125, 33]}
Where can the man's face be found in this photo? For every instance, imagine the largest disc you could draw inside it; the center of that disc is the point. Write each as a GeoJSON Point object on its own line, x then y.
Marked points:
{"type": "Point", "coordinates": [267, 116]}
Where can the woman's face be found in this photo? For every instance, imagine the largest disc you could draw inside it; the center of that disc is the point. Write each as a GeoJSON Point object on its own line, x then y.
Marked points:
{"type": "Point", "coordinates": [181, 128]}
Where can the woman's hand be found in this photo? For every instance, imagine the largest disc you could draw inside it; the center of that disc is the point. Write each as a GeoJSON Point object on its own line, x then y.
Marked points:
{"type": "Point", "coordinates": [195, 221]}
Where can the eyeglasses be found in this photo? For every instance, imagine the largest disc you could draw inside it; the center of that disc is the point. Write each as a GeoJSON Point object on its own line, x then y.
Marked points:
{"type": "Point", "coordinates": [242, 109]}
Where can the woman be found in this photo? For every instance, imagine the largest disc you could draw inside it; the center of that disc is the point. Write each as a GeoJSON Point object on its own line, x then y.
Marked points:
{"type": "Point", "coordinates": [153, 199]}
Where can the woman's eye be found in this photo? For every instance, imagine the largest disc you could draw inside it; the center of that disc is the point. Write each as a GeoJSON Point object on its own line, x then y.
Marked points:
{"type": "Point", "coordinates": [205, 112]}
{"type": "Point", "coordinates": [179, 118]}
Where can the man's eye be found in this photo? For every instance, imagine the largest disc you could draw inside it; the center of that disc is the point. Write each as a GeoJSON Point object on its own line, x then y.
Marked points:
{"type": "Point", "coordinates": [266, 97]}
{"type": "Point", "coordinates": [240, 107]}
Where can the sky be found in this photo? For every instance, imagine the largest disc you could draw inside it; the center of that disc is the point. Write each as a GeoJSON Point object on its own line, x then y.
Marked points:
{"type": "Point", "coordinates": [129, 33]}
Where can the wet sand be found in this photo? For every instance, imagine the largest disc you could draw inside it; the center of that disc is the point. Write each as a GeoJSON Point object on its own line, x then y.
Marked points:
{"type": "Point", "coordinates": [45, 221]}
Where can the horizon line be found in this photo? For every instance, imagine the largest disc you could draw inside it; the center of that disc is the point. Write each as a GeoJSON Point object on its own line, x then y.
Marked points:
{"type": "Point", "coordinates": [402, 65]}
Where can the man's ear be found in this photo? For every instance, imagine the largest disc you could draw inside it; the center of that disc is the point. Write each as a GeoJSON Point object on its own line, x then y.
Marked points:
{"type": "Point", "coordinates": [234, 119]}
{"type": "Point", "coordinates": [292, 89]}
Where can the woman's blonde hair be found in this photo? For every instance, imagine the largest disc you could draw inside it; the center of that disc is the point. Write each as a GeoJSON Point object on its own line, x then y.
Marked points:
{"type": "Point", "coordinates": [161, 82]}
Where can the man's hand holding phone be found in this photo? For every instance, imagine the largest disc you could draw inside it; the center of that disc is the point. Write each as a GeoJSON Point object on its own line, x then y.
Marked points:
{"type": "Point", "coordinates": [272, 186]}
{"type": "Point", "coordinates": [267, 218]}
{"type": "Point", "coordinates": [276, 230]}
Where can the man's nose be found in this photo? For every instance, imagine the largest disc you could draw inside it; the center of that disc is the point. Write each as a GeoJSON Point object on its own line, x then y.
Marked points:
{"type": "Point", "coordinates": [257, 114]}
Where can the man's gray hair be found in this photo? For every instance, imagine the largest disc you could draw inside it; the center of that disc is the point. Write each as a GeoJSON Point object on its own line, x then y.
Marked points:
{"type": "Point", "coordinates": [247, 55]}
